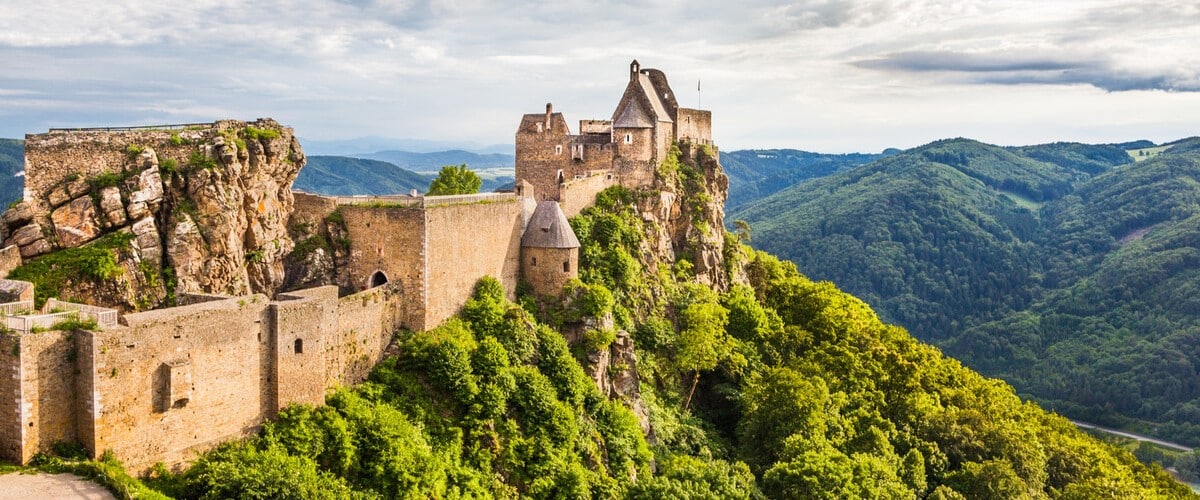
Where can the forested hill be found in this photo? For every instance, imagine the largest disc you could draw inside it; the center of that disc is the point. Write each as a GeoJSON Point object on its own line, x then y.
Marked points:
{"type": "Point", "coordinates": [340, 175]}
{"type": "Point", "coordinates": [1066, 269]}
{"type": "Point", "coordinates": [757, 173]}
{"type": "Point", "coordinates": [12, 162]}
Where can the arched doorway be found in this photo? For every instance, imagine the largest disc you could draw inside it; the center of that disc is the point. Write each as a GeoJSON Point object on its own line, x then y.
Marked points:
{"type": "Point", "coordinates": [377, 279]}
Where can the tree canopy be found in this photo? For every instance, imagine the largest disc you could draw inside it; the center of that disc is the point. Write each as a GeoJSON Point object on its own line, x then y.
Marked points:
{"type": "Point", "coordinates": [455, 180]}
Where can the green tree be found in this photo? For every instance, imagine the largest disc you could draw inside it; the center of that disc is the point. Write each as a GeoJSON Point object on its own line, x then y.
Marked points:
{"type": "Point", "coordinates": [455, 180]}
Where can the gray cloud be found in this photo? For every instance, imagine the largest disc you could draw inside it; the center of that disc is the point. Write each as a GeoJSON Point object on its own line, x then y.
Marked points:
{"type": "Point", "coordinates": [1025, 69]}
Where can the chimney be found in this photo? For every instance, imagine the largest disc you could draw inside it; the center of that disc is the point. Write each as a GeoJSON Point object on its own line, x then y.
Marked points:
{"type": "Point", "coordinates": [634, 68]}
{"type": "Point", "coordinates": [549, 111]}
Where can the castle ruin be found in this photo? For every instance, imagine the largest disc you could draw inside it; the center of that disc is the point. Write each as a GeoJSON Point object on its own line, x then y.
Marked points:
{"type": "Point", "coordinates": [162, 385]}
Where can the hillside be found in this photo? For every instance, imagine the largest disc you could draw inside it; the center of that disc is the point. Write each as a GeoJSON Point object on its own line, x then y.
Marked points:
{"type": "Point", "coordinates": [680, 364]}
{"type": "Point", "coordinates": [1063, 268]}
{"type": "Point", "coordinates": [12, 162]}
{"type": "Point", "coordinates": [340, 175]}
{"type": "Point", "coordinates": [757, 173]}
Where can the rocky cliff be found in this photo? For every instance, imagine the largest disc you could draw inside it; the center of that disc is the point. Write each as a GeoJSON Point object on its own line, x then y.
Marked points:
{"type": "Point", "coordinates": [200, 209]}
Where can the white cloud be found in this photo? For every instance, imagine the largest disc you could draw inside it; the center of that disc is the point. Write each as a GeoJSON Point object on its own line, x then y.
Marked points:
{"type": "Point", "coordinates": [836, 74]}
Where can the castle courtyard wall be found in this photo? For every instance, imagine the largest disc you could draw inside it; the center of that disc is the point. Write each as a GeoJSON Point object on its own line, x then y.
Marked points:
{"type": "Point", "coordinates": [38, 393]}
{"type": "Point", "coordinates": [179, 381]}
{"type": "Point", "coordinates": [466, 242]}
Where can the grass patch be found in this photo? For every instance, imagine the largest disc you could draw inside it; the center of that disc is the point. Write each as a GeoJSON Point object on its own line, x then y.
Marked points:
{"type": "Point", "coordinates": [106, 471]}
{"type": "Point", "coordinates": [168, 166]}
{"type": "Point", "coordinates": [309, 245]}
{"type": "Point", "coordinates": [95, 262]}
{"type": "Point", "coordinates": [258, 134]}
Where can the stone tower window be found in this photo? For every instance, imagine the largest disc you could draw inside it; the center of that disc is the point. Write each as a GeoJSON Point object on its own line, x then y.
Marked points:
{"type": "Point", "coordinates": [558, 149]}
{"type": "Point", "coordinates": [298, 346]}
{"type": "Point", "coordinates": [533, 262]}
{"type": "Point", "coordinates": [566, 266]}
{"type": "Point", "coordinates": [539, 127]}
{"type": "Point", "coordinates": [628, 138]}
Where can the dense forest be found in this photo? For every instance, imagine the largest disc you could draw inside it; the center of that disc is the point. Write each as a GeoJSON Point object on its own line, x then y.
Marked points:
{"type": "Point", "coordinates": [1066, 269]}
{"type": "Point", "coordinates": [773, 387]}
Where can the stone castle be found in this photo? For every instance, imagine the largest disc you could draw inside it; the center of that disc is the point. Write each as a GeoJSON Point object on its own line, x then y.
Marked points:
{"type": "Point", "coordinates": [213, 203]}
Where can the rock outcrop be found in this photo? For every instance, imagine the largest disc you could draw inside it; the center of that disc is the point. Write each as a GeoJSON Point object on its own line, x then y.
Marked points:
{"type": "Point", "coordinates": [206, 205]}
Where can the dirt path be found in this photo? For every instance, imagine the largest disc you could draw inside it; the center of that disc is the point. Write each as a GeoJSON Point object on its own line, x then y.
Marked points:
{"type": "Point", "coordinates": [29, 486]}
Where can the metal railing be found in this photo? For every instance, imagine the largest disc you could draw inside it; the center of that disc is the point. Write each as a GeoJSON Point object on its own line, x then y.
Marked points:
{"type": "Point", "coordinates": [40, 321]}
{"type": "Point", "coordinates": [176, 126]}
{"type": "Point", "coordinates": [16, 308]}
{"type": "Point", "coordinates": [104, 316]}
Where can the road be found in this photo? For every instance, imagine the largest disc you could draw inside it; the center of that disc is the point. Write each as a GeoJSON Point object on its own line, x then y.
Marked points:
{"type": "Point", "coordinates": [1168, 444]}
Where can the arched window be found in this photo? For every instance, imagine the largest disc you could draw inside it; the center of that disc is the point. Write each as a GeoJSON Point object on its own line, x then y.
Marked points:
{"type": "Point", "coordinates": [299, 346]}
{"type": "Point", "coordinates": [558, 149]}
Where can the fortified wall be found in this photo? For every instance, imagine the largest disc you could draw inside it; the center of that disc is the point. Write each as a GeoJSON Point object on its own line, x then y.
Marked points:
{"type": "Point", "coordinates": [169, 383]}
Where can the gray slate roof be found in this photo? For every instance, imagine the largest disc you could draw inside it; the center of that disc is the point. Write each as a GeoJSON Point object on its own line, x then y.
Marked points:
{"type": "Point", "coordinates": [548, 228]}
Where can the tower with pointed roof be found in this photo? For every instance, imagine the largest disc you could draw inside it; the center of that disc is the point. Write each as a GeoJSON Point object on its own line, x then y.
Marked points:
{"type": "Point", "coordinates": [549, 250]}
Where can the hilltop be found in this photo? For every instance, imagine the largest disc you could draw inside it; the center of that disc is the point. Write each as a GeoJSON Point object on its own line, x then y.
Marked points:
{"type": "Point", "coordinates": [1062, 268]}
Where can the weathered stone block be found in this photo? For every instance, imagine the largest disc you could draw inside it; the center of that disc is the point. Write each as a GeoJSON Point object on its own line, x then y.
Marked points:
{"type": "Point", "coordinates": [26, 234]}
{"type": "Point", "coordinates": [75, 223]}
{"type": "Point", "coordinates": [19, 214]}
{"type": "Point", "coordinates": [110, 204]}
{"type": "Point", "coordinates": [36, 248]}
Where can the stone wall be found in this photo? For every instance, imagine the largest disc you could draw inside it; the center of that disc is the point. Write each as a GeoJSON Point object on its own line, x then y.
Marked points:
{"type": "Point", "coordinates": [303, 322]}
{"type": "Point", "coordinates": [578, 194]}
{"type": "Point", "coordinates": [48, 412]}
{"type": "Point", "coordinates": [466, 242]}
{"type": "Point", "coordinates": [10, 397]}
{"type": "Point", "coordinates": [390, 240]}
{"type": "Point", "coordinates": [179, 381]}
{"type": "Point", "coordinates": [548, 269]}
{"type": "Point", "coordinates": [694, 126]}
{"type": "Point", "coordinates": [10, 258]}
{"type": "Point", "coordinates": [365, 323]}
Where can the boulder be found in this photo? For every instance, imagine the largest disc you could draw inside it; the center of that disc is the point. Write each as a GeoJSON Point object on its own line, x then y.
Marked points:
{"type": "Point", "coordinates": [75, 223]}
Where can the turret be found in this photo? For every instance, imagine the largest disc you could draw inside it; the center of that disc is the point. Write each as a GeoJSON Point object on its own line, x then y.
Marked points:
{"type": "Point", "coordinates": [634, 69]}
{"type": "Point", "coordinates": [549, 250]}
{"type": "Point", "coordinates": [549, 111]}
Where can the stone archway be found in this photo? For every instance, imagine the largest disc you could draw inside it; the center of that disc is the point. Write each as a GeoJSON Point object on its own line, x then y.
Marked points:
{"type": "Point", "coordinates": [377, 279]}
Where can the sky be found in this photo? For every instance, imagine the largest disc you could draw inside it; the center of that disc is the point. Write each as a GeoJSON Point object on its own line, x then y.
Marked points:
{"type": "Point", "coordinates": [820, 75]}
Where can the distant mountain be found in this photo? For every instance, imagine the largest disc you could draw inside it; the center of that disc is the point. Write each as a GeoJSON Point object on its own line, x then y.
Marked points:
{"type": "Point", "coordinates": [757, 173]}
{"type": "Point", "coordinates": [1066, 269]}
{"type": "Point", "coordinates": [12, 163]}
{"type": "Point", "coordinates": [434, 161]}
{"type": "Point", "coordinates": [365, 145]}
{"type": "Point", "coordinates": [339, 175]}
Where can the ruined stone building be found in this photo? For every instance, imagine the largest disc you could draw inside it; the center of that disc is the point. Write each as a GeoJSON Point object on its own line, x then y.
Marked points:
{"type": "Point", "coordinates": [212, 203]}
{"type": "Point", "coordinates": [624, 149]}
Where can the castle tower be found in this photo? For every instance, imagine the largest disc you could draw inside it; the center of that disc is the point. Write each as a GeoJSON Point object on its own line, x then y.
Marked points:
{"type": "Point", "coordinates": [549, 250]}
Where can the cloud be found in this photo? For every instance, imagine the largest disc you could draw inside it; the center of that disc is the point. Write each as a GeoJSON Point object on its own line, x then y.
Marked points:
{"type": "Point", "coordinates": [1009, 68]}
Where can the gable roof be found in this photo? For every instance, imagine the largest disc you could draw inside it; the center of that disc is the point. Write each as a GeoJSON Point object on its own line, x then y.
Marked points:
{"type": "Point", "coordinates": [548, 228]}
